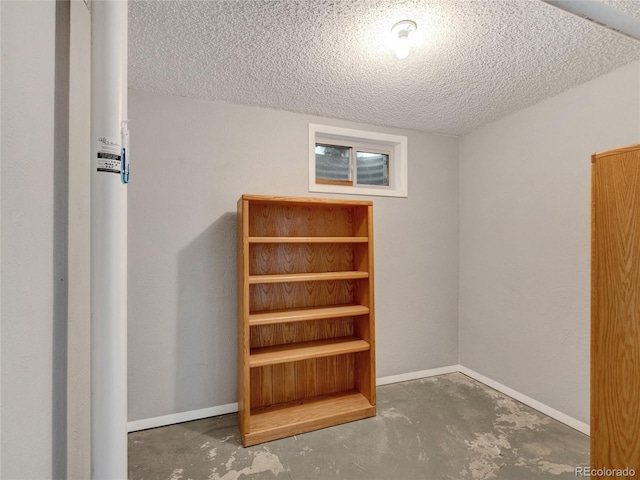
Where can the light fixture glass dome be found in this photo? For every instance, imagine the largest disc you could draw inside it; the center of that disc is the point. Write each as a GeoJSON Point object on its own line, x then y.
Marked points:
{"type": "Point", "coordinates": [402, 33]}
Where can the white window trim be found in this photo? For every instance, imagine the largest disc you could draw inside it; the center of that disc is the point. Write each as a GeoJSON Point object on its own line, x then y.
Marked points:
{"type": "Point", "coordinates": [397, 144]}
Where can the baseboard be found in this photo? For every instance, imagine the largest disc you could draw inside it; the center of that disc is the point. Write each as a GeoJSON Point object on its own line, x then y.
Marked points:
{"type": "Point", "coordinates": [174, 418]}
{"type": "Point", "coordinates": [404, 377]}
{"type": "Point", "coordinates": [541, 407]}
{"type": "Point", "coordinates": [165, 420]}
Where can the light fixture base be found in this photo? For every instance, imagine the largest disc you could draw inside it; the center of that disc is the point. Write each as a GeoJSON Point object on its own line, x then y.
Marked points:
{"type": "Point", "coordinates": [408, 26]}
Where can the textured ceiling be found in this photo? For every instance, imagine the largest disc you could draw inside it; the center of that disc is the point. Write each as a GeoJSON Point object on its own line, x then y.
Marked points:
{"type": "Point", "coordinates": [630, 7]}
{"type": "Point", "coordinates": [473, 62]}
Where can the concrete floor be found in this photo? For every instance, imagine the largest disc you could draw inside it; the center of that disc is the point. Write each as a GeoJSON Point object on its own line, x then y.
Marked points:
{"type": "Point", "coordinates": [445, 427]}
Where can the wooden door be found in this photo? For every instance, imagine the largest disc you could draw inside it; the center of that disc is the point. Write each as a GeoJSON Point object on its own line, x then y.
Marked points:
{"type": "Point", "coordinates": [615, 311]}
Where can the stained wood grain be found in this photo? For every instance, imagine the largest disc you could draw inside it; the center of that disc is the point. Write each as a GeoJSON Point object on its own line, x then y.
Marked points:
{"type": "Point", "coordinates": [307, 277]}
{"type": "Point", "coordinates": [270, 259]}
{"type": "Point", "coordinates": [286, 382]}
{"type": "Point", "coordinates": [293, 352]}
{"type": "Point", "coordinates": [615, 310]}
{"type": "Point", "coordinates": [285, 240]}
{"type": "Point", "coordinates": [296, 332]}
{"type": "Point", "coordinates": [276, 199]}
{"type": "Point", "coordinates": [297, 417]}
{"type": "Point", "coordinates": [244, 404]}
{"type": "Point", "coordinates": [305, 314]}
{"type": "Point", "coordinates": [280, 296]}
{"type": "Point", "coordinates": [300, 221]}
{"type": "Point", "coordinates": [366, 361]}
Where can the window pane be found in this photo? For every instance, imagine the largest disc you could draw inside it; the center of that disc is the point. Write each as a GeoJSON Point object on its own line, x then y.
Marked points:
{"type": "Point", "coordinates": [372, 168]}
{"type": "Point", "coordinates": [332, 163]}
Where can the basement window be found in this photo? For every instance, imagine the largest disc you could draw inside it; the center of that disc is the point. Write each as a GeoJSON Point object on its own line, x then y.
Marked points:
{"type": "Point", "coordinates": [349, 164]}
{"type": "Point", "coordinates": [357, 162]}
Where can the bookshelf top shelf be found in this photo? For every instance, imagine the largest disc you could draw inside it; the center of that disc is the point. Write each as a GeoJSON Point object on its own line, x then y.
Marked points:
{"type": "Point", "coordinates": [304, 200]}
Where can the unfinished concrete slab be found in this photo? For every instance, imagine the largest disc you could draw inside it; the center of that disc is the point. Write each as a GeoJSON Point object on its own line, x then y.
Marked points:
{"type": "Point", "coordinates": [445, 427]}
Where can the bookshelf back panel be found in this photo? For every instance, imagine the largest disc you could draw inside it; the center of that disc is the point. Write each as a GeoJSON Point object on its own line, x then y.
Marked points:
{"type": "Point", "coordinates": [280, 296]}
{"type": "Point", "coordinates": [281, 333]}
{"type": "Point", "coordinates": [278, 220]}
{"type": "Point", "coordinates": [287, 382]}
{"type": "Point", "coordinates": [361, 221]}
{"type": "Point", "coordinates": [269, 258]}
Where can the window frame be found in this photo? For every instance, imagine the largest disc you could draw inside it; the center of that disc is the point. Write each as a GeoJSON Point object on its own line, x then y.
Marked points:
{"type": "Point", "coordinates": [328, 142]}
{"type": "Point", "coordinates": [375, 151]}
{"type": "Point", "coordinates": [360, 140]}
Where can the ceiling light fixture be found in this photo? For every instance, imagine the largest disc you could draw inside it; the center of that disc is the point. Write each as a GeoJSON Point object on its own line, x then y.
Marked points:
{"type": "Point", "coordinates": [402, 35]}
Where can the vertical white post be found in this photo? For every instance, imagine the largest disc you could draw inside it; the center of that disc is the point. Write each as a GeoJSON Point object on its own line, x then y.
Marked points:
{"type": "Point", "coordinates": [108, 241]}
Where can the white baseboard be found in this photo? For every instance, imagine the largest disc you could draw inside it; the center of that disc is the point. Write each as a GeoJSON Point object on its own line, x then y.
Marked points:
{"type": "Point", "coordinates": [233, 407]}
{"type": "Point", "coordinates": [541, 407]}
{"type": "Point", "coordinates": [404, 377]}
{"type": "Point", "coordinates": [174, 418]}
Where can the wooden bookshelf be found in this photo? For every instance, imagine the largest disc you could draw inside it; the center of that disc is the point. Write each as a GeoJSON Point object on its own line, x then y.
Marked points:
{"type": "Point", "coordinates": [306, 345]}
{"type": "Point", "coordinates": [293, 352]}
{"type": "Point", "coordinates": [305, 314]}
{"type": "Point", "coordinates": [292, 418]}
{"type": "Point", "coordinates": [306, 277]}
{"type": "Point", "coordinates": [308, 239]}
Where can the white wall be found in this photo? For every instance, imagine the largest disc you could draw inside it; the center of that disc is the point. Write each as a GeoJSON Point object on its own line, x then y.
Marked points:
{"type": "Point", "coordinates": [191, 161]}
{"type": "Point", "coordinates": [33, 270]}
{"type": "Point", "coordinates": [79, 327]}
{"type": "Point", "coordinates": [1, 150]}
{"type": "Point", "coordinates": [525, 238]}
{"type": "Point", "coordinates": [45, 381]}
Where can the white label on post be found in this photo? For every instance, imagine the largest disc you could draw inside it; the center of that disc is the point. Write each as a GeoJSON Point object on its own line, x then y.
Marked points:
{"type": "Point", "coordinates": [109, 155]}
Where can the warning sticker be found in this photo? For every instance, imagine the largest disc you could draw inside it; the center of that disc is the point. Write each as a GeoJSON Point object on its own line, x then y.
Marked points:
{"type": "Point", "coordinates": [109, 155]}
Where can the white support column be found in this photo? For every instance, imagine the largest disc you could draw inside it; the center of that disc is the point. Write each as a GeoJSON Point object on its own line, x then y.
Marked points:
{"type": "Point", "coordinates": [108, 241]}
